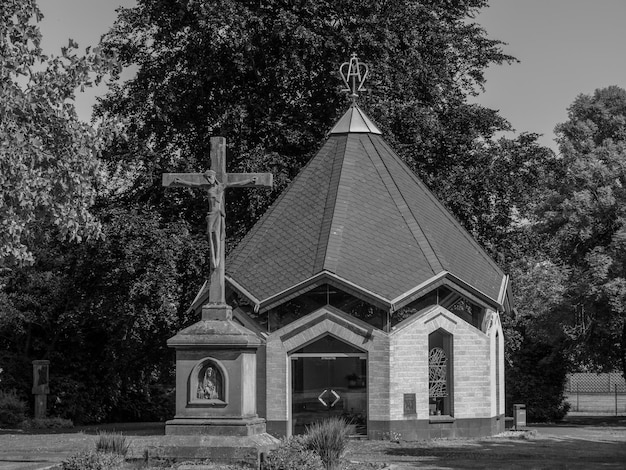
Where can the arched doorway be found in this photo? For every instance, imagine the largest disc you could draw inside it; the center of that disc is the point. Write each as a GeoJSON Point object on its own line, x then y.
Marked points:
{"type": "Point", "coordinates": [328, 379]}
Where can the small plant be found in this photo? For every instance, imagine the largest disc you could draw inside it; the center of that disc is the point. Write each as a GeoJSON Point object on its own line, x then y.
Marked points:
{"type": "Point", "coordinates": [112, 443]}
{"type": "Point", "coordinates": [329, 440]}
{"type": "Point", "coordinates": [93, 461]}
{"type": "Point", "coordinates": [292, 454]}
{"type": "Point", "coordinates": [12, 409]}
{"type": "Point", "coordinates": [392, 436]}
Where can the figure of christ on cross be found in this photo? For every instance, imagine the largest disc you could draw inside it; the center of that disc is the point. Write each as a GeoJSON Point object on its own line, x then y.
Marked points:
{"type": "Point", "coordinates": [216, 181]}
{"type": "Point", "coordinates": [216, 215]}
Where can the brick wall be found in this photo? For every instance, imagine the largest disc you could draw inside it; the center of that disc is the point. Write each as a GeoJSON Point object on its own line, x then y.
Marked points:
{"type": "Point", "coordinates": [472, 377]}
{"type": "Point", "coordinates": [307, 329]}
{"type": "Point", "coordinates": [397, 363]}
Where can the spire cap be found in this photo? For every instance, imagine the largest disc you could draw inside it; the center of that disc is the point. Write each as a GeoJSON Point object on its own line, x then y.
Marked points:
{"type": "Point", "coordinates": [355, 120]}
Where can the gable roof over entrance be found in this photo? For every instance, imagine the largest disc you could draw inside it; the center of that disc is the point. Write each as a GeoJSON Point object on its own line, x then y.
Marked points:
{"type": "Point", "coordinates": [357, 215]}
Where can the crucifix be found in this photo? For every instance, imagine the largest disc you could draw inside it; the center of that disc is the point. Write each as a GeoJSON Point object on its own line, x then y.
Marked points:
{"type": "Point", "coordinates": [215, 181]}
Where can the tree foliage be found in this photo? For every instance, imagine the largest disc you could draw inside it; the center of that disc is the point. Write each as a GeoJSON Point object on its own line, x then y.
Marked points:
{"type": "Point", "coordinates": [48, 163]}
{"type": "Point", "coordinates": [102, 313]}
{"type": "Point", "coordinates": [264, 74]}
{"type": "Point", "coordinates": [536, 353]}
{"type": "Point", "coordinates": [585, 214]}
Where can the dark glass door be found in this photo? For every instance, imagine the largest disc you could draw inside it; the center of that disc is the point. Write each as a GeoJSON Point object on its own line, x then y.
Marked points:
{"type": "Point", "coordinates": [330, 385]}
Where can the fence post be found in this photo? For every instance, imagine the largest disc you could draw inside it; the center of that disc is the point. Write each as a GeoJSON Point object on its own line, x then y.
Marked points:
{"type": "Point", "coordinates": [577, 397]}
{"type": "Point", "coordinates": [615, 399]}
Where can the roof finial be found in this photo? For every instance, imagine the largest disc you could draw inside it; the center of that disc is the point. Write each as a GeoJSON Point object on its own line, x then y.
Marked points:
{"type": "Point", "coordinates": [353, 74]}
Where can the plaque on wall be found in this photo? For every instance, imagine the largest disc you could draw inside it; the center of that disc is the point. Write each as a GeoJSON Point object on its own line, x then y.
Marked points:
{"type": "Point", "coordinates": [409, 404]}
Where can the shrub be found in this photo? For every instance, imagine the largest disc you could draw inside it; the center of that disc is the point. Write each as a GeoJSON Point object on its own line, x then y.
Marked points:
{"type": "Point", "coordinates": [292, 454]}
{"type": "Point", "coordinates": [93, 461]}
{"type": "Point", "coordinates": [329, 440]}
{"type": "Point", "coordinates": [536, 376]}
{"type": "Point", "coordinates": [48, 423]}
{"type": "Point", "coordinates": [12, 409]}
{"type": "Point", "coordinates": [112, 443]}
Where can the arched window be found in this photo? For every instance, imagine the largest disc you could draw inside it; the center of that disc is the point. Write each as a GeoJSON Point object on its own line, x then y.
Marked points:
{"type": "Point", "coordinates": [440, 373]}
{"type": "Point", "coordinates": [497, 374]}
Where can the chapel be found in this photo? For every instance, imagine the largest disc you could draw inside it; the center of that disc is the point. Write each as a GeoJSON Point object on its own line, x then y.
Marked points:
{"type": "Point", "coordinates": [369, 301]}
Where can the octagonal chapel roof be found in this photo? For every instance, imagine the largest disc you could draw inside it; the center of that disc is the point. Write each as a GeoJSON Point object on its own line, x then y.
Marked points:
{"type": "Point", "coordinates": [357, 216]}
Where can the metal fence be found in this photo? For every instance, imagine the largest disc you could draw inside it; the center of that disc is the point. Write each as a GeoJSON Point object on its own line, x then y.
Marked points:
{"type": "Point", "coordinates": [596, 393]}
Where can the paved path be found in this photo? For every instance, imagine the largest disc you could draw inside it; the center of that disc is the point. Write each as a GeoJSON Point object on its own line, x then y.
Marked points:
{"type": "Point", "coordinates": [35, 451]}
{"type": "Point", "coordinates": [577, 443]}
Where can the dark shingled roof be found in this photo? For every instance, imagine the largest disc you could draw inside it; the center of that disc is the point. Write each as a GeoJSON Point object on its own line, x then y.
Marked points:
{"type": "Point", "coordinates": [358, 215]}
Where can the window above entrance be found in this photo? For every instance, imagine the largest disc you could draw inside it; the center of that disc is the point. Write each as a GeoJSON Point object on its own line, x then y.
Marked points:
{"type": "Point", "coordinates": [328, 344]}
{"type": "Point", "coordinates": [310, 301]}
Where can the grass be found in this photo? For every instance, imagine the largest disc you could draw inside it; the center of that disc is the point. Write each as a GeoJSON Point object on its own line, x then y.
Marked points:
{"type": "Point", "coordinates": [329, 440]}
{"type": "Point", "coordinates": [112, 443]}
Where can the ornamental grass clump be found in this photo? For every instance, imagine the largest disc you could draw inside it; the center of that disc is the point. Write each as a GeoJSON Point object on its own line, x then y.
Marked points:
{"type": "Point", "coordinates": [329, 440]}
{"type": "Point", "coordinates": [112, 443]}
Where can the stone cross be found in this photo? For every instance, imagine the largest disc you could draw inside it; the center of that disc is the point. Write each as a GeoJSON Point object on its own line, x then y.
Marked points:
{"type": "Point", "coordinates": [215, 181]}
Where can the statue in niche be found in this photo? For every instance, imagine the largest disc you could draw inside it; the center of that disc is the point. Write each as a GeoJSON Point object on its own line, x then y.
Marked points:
{"type": "Point", "coordinates": [209, 384]}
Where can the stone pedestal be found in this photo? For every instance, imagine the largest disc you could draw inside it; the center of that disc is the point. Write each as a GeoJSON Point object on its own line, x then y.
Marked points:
{"type": "Point", "coordinates": [215, 393]}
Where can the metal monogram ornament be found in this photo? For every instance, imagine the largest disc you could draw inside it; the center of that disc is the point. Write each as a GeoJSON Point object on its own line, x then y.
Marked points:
{"type": "Point", "coordinates": [354, 74]}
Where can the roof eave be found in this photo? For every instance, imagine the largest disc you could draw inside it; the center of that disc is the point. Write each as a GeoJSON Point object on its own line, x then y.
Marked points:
{"type": "Point", "coordinates": [323, 277]}
{"type": "Point", "coordinates": [450, 280]}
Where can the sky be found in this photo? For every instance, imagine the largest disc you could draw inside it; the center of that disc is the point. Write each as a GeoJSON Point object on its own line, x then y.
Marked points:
{"type": "Point", "coordinates": [565, 48]}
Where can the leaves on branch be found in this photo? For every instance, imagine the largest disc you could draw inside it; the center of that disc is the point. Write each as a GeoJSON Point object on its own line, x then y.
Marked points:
{"type": "Point", "coordinates": [48, 158]}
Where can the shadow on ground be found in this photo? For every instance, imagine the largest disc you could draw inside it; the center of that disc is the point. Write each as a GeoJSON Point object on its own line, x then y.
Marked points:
{"type": "Point", "coordinates": [589, 442]}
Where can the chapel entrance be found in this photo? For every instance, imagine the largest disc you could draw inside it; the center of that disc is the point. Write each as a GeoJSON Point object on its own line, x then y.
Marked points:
{"type": "Point", "coordinates": [329, 379]}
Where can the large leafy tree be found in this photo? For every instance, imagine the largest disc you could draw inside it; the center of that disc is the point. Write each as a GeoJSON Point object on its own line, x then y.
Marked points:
{"type": "Point", "coordinates": [102, 313]}
{"type": "Point", "coordinates": [585, 214]}
{"type": "Point", "coordinates": [536, 353]}
{"type": "Point", "coordinates": [264, 74]}
{"type": "Point", "coordinates": [48, 163]}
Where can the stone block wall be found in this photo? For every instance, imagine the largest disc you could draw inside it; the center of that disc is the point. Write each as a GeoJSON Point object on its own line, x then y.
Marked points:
{"type": "Point", "coordinates": [397, 365]}
{"type": "Point", "coordinates": [471, 356]}
{"type": "Point", "coordinates": [306, 329]}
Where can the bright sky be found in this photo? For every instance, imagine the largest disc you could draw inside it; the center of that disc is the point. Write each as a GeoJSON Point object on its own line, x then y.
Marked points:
{"type": "Point", "coordinates": [84, 21]}
{"type": "Point", "coordinates": [566, 47]}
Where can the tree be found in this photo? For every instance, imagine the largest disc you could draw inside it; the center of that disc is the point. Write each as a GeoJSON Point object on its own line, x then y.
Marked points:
{"type": "Point", "coordinates": [585, 214]}
{"type": "Point", "coordinates": [48, 164]}
{"type": "Point", "coordinates": [101, 313]}
{"type": "Point", "coordinates": [264, 74]}
{"type": "Point", "coordinates": [536, 353]}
